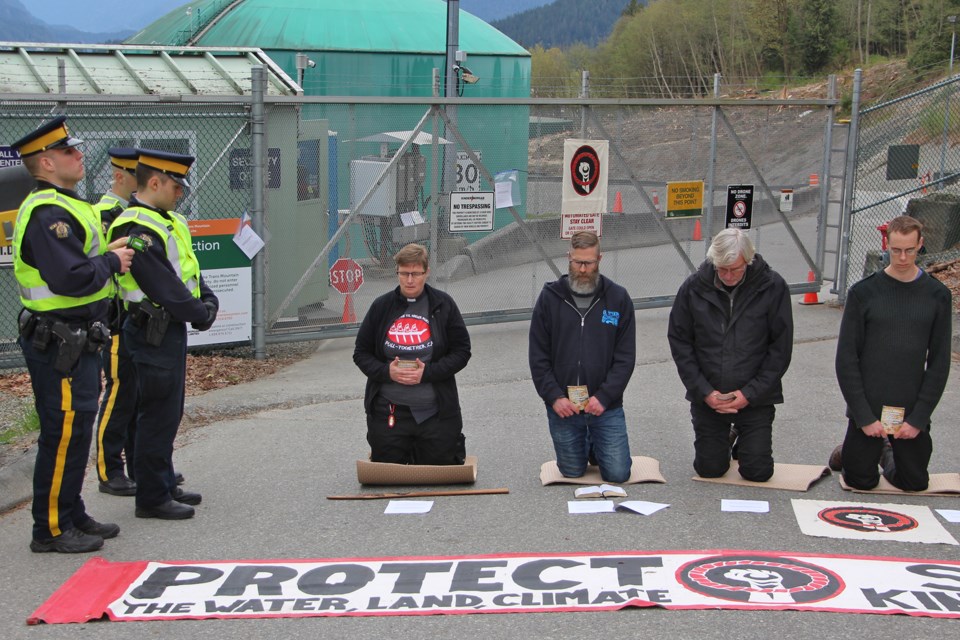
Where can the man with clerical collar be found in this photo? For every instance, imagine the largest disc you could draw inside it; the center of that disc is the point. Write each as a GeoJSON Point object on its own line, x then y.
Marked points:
{"type": "Point", "coordinates": [163, 292]}
{"type": "Point", "coordinates": [582, 352]}
{"type": "Point", "coordinates": [64, 270]}
{"type": "Point", "coordinates": [411, 344]}
{"type": "Point", "coordinates": [893, 360]}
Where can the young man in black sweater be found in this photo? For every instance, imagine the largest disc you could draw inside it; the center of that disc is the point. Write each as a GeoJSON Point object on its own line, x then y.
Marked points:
{"type": "Point", "coordinates": [893, 359]}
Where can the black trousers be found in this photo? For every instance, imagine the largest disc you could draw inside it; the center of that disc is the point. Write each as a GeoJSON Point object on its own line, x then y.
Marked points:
{"type": "Point", "coordinates": [861, 457]}
{"type": "Point", "coordinates": [433, 441]}
{"type": "Point", "coordinates": [161, 376]}
{"type": "Point", "coordinates": [67, 407]}
{"type": "Point", "coordinates": [754, 444]}
{"type": "Point", "coordinates": [117, 423]}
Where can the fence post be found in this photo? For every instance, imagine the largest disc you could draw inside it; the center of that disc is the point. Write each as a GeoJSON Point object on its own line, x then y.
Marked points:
{"type": "Point", "coordinates": [258, 87]}
{"type": "Point", "coordinates": [827, 183]}
{"type": "Point", "coordinates": [849, 186]}
{"type": "Point", "coordinates": [713, 161]}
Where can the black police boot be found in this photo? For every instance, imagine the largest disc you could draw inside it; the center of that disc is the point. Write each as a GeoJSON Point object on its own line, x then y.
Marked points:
{"type": "Point", "coordinates": [119, 486]}
{"type": "Point", "coordinates": [169, 510]}
{"type": "Point", "coordinates": [105, 530]}
{"type": "Point", "coordinates": [70, 541]}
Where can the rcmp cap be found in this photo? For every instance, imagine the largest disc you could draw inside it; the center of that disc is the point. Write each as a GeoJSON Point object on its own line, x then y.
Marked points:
{"type": "Point", "coordinates": [124, 158]}
{"type": "Point", "coordinates": [174, 165]}
{"type": "Point", "coordinates": [50, 135]}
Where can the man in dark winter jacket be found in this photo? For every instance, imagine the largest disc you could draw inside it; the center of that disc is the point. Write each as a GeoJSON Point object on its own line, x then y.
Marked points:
{"type": "Point", "coordinates": [582, 353]}
{"type": "Point", "coordinates": [731, 336]}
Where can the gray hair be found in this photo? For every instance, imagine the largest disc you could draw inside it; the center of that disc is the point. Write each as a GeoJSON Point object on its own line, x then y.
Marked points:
{"type": "Point", "coordinates": [728, 246]}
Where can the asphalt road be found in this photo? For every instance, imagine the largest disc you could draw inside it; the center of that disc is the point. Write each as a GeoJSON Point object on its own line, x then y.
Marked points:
{"type": "Point", "coordinates": [265, 478]}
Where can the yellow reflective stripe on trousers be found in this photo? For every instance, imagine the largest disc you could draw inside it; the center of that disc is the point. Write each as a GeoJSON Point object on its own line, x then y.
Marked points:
{"type": "Point", "coordinates": [111, 401]}
{"type": "Point", "coordinates": [66, 433]}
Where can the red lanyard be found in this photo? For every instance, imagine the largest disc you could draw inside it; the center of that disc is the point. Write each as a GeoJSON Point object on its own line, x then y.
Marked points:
{"type": "Point", "coordinates": [390, 419]}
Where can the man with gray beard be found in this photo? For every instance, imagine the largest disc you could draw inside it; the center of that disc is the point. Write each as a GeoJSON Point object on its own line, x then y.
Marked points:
{"type": "Point", "coordinates": [582, 354]}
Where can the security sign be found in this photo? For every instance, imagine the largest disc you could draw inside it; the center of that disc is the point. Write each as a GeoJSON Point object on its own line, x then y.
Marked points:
{"type": "Point", "coordinates": [739, 206]}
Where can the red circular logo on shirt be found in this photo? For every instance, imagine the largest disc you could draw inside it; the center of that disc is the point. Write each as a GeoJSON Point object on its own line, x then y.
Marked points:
{"type": "Point", "coordinates": [409, 331]}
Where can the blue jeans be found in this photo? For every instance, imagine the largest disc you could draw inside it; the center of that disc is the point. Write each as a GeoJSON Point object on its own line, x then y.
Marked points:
{"type": "Point", "coordinates": [574, 438]}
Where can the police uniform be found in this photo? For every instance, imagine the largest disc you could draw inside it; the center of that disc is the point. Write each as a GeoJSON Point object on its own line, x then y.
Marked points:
{"type": "Point", "coordinates": [163, 292]}
{"type": "Point", "coordinates": [65, 279]}
{"type": "Point", "coordinates": [117, 422]}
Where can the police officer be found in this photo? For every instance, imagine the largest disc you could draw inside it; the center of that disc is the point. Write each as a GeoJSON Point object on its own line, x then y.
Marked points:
{"type": "Point", "coordinates": [64, 270]}
{"type": "Point", "coordinates": [163, 292]}
{"type": "Point", "coordinates": [117, 422]}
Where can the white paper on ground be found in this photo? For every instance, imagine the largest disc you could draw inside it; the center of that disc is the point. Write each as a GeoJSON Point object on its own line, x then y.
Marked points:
{"type": "Point", "coordinates": [641, 506]}
{"type": "Point", "coordinates": [750, 506]}
{"type": "Point", "coordinates": [408, 506]}
{"type": "Point", "coordinates": [590, 506]}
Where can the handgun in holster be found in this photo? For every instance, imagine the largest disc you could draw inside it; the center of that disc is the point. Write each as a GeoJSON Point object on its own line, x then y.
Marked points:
{"type": "Point", "coordinates": [158, 319]}
{"type": "Point", "coordinates": [72, 342]}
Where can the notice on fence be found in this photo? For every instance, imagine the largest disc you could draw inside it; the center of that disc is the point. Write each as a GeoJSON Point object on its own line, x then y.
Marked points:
{"type": "Point", "coordinates": [571, 223]}
{"type": "Point", "coordinates": [471, 211]}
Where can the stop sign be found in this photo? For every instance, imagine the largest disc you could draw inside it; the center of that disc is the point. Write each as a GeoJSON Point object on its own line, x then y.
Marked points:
{"type": "Point", "coordinates": [346, 276]}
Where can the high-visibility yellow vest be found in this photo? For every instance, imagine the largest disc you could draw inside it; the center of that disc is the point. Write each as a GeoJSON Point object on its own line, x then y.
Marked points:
{"type": "Point", "coordinates": [35, 294]}
{"type": "Point", "coordinates": [179, 252]}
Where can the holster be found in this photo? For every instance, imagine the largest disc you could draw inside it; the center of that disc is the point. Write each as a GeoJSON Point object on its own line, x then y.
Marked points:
{"type": "Point", "coordinates": [155, 319]}
{"type": "Point", "coordinates": [72, 343]}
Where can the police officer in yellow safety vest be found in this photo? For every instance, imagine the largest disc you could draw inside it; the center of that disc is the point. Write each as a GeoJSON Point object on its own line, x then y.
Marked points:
{"type": "Point", "coordinates": [64, 270]}
{"type": "Point", "coordinates": [117, 421]}
{"type": "Point", "coordinates": [163, 292]}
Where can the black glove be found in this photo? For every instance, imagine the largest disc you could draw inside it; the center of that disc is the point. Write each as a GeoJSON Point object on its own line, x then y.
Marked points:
{"type": "Point", "coordinates": [211, 316]}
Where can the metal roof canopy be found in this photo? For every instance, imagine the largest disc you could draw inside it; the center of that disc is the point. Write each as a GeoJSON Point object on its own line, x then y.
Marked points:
{"type": "Point", "coordinates": [111, 70]}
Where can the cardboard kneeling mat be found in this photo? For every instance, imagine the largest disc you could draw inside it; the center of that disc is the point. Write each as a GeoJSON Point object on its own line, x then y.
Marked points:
{"type": "Point", "coordinates": [386, 473]}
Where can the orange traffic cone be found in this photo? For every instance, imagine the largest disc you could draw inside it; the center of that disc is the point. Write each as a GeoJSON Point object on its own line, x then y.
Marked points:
{"type": "Point", "coordinates": [811, 297]}
{"type": "Point", "coordinates": [656, 200]}
{"type": "Point", "coordinates": [814, 179]}
{"type": "Point", "coordinates": [618, 203]}
{"type": "Point", "coordinates": [697, 232]}
{"type": "Point", "coordinates": [348, 314]}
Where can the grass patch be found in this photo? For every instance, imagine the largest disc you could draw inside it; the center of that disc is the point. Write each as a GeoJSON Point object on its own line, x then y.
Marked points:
{"type": "Point", "coordinates": [24, 424]}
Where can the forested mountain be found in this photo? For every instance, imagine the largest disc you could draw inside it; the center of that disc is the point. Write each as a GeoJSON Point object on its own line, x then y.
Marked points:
{"type": "Point", "coordinates": [672, 48]}
{"type": "Point", "coordinates": [563, 23]}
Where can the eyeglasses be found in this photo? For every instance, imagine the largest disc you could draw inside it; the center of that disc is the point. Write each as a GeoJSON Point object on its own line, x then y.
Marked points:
{"type": "Point", "coordinates": [580, 264]}
{"type": "Point", "coordinates": [406, 275]}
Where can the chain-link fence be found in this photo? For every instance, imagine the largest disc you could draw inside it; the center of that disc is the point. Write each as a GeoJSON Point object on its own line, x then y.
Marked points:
{"type": "Point", "coordinates": [906, 161]}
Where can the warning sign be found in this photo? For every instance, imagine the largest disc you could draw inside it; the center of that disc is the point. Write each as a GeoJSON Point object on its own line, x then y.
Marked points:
{"type": "Point", "coordinates": [739, 206]}
{"type": "Point", "coordinates": [685, 199]}
{"type": "Point", "coordinates": [571, 223]}
{"type": "Point", "coordinates": [471, 211]}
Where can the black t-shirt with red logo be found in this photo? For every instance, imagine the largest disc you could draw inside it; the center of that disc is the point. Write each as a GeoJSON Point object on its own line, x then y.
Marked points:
{"type": "Point", "coordinates": [408, 338]}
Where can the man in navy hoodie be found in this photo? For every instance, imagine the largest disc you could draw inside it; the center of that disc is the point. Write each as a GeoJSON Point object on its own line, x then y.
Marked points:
{"type": "Point", "coordinates": [582, 353]}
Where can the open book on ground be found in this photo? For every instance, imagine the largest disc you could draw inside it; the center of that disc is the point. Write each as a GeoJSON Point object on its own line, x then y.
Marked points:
{"type": "Point", "coordinates": [600, 491]}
